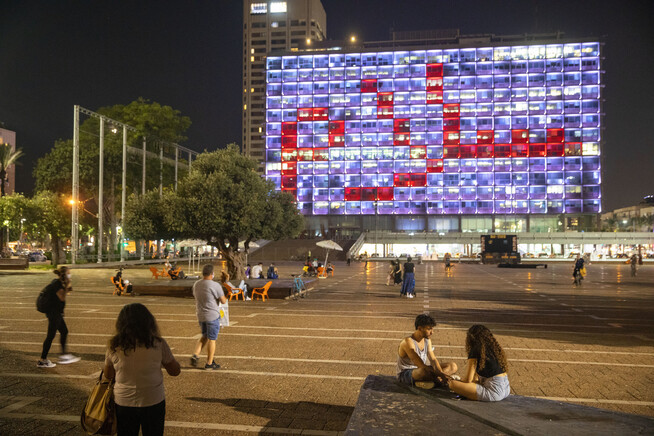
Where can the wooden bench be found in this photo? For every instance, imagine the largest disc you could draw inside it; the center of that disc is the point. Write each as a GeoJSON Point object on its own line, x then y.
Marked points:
{"type": "Point", "coordinates": [19, 263]}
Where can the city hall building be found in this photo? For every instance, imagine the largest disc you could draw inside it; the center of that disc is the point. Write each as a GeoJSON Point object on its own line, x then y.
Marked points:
{"type": "Point", "coordinates": [438, 133]}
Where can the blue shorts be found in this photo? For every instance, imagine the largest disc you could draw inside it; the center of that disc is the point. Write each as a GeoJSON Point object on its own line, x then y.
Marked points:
{"type": "Point", "coordinates": [494, 388]}
{"type": "Point", "coordinates": [210, 329]}
{"type": "Point", "coordinates": [406, 377]}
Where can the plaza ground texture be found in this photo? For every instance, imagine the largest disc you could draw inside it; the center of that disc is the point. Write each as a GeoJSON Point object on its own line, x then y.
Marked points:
{"type": "Point", "coordinates": [296, 367]}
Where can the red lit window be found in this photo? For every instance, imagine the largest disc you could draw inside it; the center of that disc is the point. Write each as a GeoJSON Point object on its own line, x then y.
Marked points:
{"type": "Point", "coordinates": [305, 114]}
{"type": "Point", "coordinates": [485, 136]}
{"type": "Point", "coordinates": [434, 165]}
{"type": "Point", "coordinates": [401, 138]}
{"type": "Point", "coordinates": [434, 83]}
{"type": "Point", "coordinates": [289, 182]}
{"type": "Point", "coordinates": [468, 151]}
{"type": "Point", "coordinates": [320, 114]}
{"type": "Point", "coordinates": [451, 152]}
{"type": "Point", "coordinates": [289, 128]}
{"type": "Point", "coordinates": [337, 127]}
{"type": "Point", "coordinates": [369, 85]}
{"type": "Point", "coordinates": [502, 150]}
{"type": "Point", "coordinates": [305, 154]}
{"type": "Point", "coordinates": [320, 154]}
{"type": "Point", "coordinates": [419, 179]}
{"type": "Point", "coordinates": [450, 124]}
{"type": "Point", "coordinates": [434, 70]}
{"type": "Point", "coordinates": [289, 154]}
{"type": "Point", "coordinates": [401, 180]}
{"type": "Point", "coordinates": [555, 149]}
{"type": "Point", "coordinates": [368, 194]}
{"type": "Point", "coordinates": [401, 125]}
{"type": "Point", "coordinates": [385, 99]}
{"type": "Point", "coordinates": [484, 151]}
{"type": "Point", "coordinates": [519, 136]}
{"type": "Point", "coordinates": [289, 168]}
{"type": "Point", "coordinates": [451, 110]}
{"type": "Point", "coordinates": [418, 152]}
{"type": "Point", "coordinates": [519, 150]}
{"type": "Point", "coordinates": [434, 97]}
{"type": "Point", "coordinates": [573, 148]}
{"type": "Point", "coordinates": [289, 141]}
{"type": "Point", "coordinates": [385, 194]}
{"type": "Point", "coordinates": [450, 138]}
{"type": "Point", "coordinates": [352, 194]}
{"type": "Point", "coordinates": [384, 112]}
{"type": "Point", "coordinates": [554, 135]}
{"type": "Point", "coordinates": [537, 150]}
{"type": "Point", "coordinates": [336, 140]}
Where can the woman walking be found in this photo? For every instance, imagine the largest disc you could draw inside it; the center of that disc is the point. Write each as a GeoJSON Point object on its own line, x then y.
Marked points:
{"type": "Point", "coordinates": [409, 281]}
{"type": "Point", "coordinates": [135, 356]}
{"type": "Point", "coordinates": [485, 378]}
{"type": "Point", "coordinates": [55, 302]}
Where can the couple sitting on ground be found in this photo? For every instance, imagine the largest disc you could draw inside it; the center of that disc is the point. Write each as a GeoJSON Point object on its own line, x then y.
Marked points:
{"type": "Point", "coordinates": [485, 376]}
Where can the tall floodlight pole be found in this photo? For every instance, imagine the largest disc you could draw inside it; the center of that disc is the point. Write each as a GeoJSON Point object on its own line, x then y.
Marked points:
{"type": "Point", "coordinates": [189, 161]}
{"type": "Point", "coordinates": [75, 192]}
{"type": "Point", "coordinates": [161, 169]}
{"type": "Point", "coordinates": [101, 191]}
{"type": "Point", "coordinates": [143, 176]}
{"type": "Point", "coordinates": [176, 162]}
{"type": "Point", "coordinates": [124, 196]}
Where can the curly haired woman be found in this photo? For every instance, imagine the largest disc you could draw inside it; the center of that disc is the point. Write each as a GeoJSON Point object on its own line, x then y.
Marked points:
{"type": "Point", "coordinates": [485, 377]}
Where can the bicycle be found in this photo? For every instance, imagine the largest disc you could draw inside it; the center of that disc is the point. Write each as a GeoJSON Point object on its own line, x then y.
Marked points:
{"type": "Point", "coordinates": [298, 287]}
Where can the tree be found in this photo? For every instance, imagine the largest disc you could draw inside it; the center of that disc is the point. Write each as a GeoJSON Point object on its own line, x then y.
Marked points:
{"type": "Point", "coordinates": [224, 201]}
{"type": "Point", "coordinates": [13, 207]}
{"type": "Point", "coordinates": [50, 214]}
{"type": "Point", "coordinates": [8, 157]}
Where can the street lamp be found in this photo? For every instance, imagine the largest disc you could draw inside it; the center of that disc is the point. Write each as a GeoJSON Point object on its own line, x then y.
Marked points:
{"type": "Point", "coordinates": [20, 238]}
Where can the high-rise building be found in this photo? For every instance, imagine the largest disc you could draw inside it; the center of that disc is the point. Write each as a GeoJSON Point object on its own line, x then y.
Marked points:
{"type": "Point", "coordinates": [271, 26]}
{"type": "Point", "coordinates": [467, 133]}
{"type": "Point", "coordinates": [9, 137]}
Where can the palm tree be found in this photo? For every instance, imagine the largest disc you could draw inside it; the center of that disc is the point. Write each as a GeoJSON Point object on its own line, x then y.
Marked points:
{"type": "Point", "coordinates": [8, 157]}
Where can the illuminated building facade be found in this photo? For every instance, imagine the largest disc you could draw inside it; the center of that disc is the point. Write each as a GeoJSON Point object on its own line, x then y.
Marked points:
{"type": "Point", "coordinates": [487, 130]}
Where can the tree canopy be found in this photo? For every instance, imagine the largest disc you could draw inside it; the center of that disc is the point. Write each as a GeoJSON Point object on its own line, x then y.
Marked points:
{"type": "Point", "coordinates": [223, 201]}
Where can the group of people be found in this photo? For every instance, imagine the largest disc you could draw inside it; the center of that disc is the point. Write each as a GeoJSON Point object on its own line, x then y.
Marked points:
{"type": "Point", "coordinates": [404, 274]}
{"type": "Point", "coordinates": [256, 272]}
{"type": "Point", "coordinates": [484, 378]}
{"type": "Point", "coordinates": [314, 268]}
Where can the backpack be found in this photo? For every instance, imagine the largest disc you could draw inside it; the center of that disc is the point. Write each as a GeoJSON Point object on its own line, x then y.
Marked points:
{"type": "Point", "coordinates": [44, 302]}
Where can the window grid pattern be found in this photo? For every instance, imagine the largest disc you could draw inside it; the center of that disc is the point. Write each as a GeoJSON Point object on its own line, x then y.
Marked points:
{"type": "Point", "coordinates": [458, 131]}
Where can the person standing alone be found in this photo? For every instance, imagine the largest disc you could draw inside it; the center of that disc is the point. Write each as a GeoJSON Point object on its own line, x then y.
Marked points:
{"type": "Point", "coordinates": [207, 293]}
{"type": "Point", "coordinates": [54, 302]}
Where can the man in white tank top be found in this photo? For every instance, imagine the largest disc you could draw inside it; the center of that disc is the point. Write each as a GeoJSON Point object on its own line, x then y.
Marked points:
{"type": "Point", "coordinates": [416, 360]}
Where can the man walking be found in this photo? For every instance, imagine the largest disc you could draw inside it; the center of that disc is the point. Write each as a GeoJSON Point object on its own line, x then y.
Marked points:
{"type": "Point", "coordinates": [207, 293]}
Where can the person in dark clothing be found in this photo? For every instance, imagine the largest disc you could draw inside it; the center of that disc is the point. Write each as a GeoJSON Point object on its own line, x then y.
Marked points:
{"type": "Point", "coordinates": [576, 272]}
{"type": "Point", "coordinates": [397, 272]}
{"type": "Point", "coordinates": [124, 284]}
{"type": "Point", "coordinates": [55, 295]}
{"type": "Point", "coordinates": [409, 281]}
{"type": "Point", "coordinates": [272, 272]}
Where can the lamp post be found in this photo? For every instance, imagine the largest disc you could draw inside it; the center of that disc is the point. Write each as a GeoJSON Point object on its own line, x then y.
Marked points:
{"type": "Point", "coordinates": [20, 238]}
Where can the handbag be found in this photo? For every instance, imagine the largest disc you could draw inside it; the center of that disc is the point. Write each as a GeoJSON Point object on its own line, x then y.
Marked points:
{"type": "Point", "coordinates": [99, 413]}
{"type": "Point", "coordinates": [583, 271]}
{"type": "Point", "coordinates": [223, 309]}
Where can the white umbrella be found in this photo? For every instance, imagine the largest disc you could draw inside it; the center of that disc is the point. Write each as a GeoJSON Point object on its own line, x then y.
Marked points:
{"type": "Point", "coordinates": [329, 245]}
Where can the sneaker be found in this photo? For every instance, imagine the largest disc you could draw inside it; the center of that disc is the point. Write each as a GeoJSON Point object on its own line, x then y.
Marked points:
{"type": "Point", "coordinates": [248, 298]}
{"type": "Point", "coordinates": [214, 365]}
{"type": "Point", "coordinates": [65, 359]}
{"type": "Point", "coordinates": [194, 360]}
{"type": "Point", "coordinates": [410, 296]}
{"type": "Point", "coordinates": [45, 364]}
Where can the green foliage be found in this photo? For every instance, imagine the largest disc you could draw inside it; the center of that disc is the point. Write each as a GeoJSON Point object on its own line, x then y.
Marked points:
{"type": "Point", "coordinates": [13, 207]}
{"type": "Point", "coordinates": [8, 157]}
{"type": "Point", "coordinates": [51, 215]}
{"type": "Point", "coordinates": [147, 216]}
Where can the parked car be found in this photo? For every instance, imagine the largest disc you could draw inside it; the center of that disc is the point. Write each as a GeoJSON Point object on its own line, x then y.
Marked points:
{"type": "Point", "coordinates": [543, 254]}
{"type": "Point", "coordinates": [36, 256]}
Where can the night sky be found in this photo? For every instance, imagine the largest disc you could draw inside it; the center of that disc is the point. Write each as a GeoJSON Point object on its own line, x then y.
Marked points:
{"type": "Point", "coordinates": [54, 54]}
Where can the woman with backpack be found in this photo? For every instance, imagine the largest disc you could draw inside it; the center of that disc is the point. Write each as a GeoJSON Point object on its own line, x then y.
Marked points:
{"type": "Point", "coordinates": [52, 301]}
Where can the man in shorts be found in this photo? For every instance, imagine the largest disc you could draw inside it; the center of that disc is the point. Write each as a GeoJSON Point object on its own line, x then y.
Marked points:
{"type": "Point", "coordinates": [416, 361]}
{"type": "Point", "coordinates": [207, 293]}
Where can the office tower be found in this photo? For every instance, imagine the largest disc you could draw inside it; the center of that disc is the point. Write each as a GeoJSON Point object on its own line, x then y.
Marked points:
{"type": "Point", "coordinates": [271, 26]}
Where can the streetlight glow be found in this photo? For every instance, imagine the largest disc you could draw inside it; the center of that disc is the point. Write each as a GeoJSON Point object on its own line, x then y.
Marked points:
{"type": "Point", "coordinates": [353, 38]}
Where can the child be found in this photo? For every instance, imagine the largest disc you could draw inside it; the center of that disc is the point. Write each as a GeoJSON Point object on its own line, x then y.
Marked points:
{"type": "Point", "coordinates": [485, 378]}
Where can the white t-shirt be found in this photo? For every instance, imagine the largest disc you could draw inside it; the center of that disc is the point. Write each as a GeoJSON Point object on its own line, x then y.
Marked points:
{"type": "Point", "coordinates": [256, 271]}
{"type": "Point", "coordinates": [139, 381]}
{"type": "Point", "coordinates": [207, 293]}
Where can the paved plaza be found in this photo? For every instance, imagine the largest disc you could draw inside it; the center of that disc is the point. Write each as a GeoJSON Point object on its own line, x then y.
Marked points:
{"type": "Point", "coordinates": [296, 367]}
